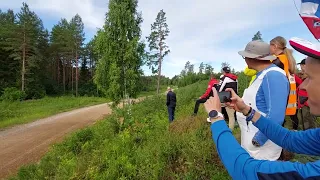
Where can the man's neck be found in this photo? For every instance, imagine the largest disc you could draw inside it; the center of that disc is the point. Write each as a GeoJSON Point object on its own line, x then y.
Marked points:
{"type": "Point", "coordinates": [261, 67]}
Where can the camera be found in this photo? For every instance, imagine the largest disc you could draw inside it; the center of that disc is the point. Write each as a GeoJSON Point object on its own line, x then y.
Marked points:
{"type": "Point", "coordinates": [224, 96]}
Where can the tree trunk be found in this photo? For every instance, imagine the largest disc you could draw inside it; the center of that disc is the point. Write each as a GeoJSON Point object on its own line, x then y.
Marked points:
{"type": "Point", "coordinates": [71, 73]}
{"type": "Point", "coordinates": [23, 58]}
{"type": "Point", "coordinates": [159, 68]}
{"type": "Point", "coordinates": [77, 75]}
{"type": "Point", "coordinates": [91, 75]}
{"type": "Point", "coordinates": [72, 77]}
{"type": "Point", "coordinates": [159, 76]}
{"type": "Point", "coordinates": [64, 76]}
{"type": "Point", "coordinates": [58, 69]}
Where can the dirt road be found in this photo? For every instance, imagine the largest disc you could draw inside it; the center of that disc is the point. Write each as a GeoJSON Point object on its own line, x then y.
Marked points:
{"type": "Point", "coordinates": [27, 143]}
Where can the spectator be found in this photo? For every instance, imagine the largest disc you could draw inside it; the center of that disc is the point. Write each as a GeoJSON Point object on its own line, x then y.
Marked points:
{"type": "Point", "coordinates": [307, 119]}
{"type": "Point", "coordinates": [251, 73]}
{"type": "Point", "coordinates": [228, 80]}
{"type": "Point", "coordinates": [206, 95]}
{"type": "Point", "coordinates": [268, 95]}
{"type": "Point", "coordinates": [238, 162]}
{"type": "Point", "coordinates": [286, 61]}
{"type": "Point", "coordinates": [294, 118]}
{"type": "Point", "coordinates": [171, 103]}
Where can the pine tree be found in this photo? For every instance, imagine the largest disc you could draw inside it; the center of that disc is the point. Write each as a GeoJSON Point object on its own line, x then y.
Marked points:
{"type": "Point", "coordinates": [157, 44]}
{"type": "Point", "coordinates": [24, 44]}
{"type": "Point", "coordinates": [201, 68]}
{"type": "Point", "coordinates": [9, 65]}
{"type": "Point", "coordinates": [77, 28]}
{"type": "Point", "coordinates": [257, 36]}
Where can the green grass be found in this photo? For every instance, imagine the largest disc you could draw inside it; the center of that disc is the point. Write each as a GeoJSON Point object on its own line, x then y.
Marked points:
{"type": "Point", "coordinates": [13, 113]}
{"type": "Point", "coordinates": [140, 145]}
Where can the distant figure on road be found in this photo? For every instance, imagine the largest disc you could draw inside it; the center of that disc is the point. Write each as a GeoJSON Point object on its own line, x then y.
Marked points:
{"type": "Point", "coordinates": [171, 103]}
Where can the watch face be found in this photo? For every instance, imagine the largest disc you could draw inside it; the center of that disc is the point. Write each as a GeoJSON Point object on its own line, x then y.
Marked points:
{"type": "Point", "coordinates": [213, 113]}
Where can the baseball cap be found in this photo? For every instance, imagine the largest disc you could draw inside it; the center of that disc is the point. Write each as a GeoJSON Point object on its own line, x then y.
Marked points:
{"type": "Point", "coordinates": [303, 61]}
{"type": "Point", "coordinates": [257, 50]}
{"type": "Point", "coordinates": [226, 69]}
{"type": "Point", "coordinates": [305, 47]}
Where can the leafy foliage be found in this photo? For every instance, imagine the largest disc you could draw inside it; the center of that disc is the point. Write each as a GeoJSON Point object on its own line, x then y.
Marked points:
{"type": "Point", "coordinates": [40, 62]}
{"type": "Point", "coordinates": [13, 94]}
{"type": "Point", "coordinates": [118, 69]}
{"type": "Point", "coordinates": [257, 36]}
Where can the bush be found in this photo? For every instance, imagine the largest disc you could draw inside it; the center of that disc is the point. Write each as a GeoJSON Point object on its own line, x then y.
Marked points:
{"type": "Point", "coordinates": [13, 94]}
{"type": "Point", "coordinates": [35, 92]}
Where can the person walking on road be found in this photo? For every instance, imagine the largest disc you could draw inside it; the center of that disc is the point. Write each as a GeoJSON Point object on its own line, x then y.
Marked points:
{"type": "Point", "coordinates": [171, 103]}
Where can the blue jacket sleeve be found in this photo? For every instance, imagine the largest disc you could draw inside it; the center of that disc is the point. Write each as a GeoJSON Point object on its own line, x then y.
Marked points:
{"type": "Point", "coordinates": [302, 142]}
{"type": "Point", "coordinates": [241, 166]}
{"type": "Point", "coordinates": [275, 87]}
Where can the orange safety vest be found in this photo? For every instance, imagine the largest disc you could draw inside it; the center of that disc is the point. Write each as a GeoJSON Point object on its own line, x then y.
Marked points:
{"type": "Point", "coordinates": [292, 100]}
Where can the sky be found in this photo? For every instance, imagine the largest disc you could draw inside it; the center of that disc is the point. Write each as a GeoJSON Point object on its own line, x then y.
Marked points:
{"type": "Point", "coordinates": [200, 31]}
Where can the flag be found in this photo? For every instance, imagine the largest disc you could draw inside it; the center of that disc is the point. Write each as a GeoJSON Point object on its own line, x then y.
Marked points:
{"type": "Point", "coordinates": [310, 14]}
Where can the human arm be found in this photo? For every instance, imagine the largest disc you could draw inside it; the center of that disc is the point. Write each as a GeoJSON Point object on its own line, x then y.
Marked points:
{"type": "Point", "coordinates": [275, 88]}
{"type": "Point", "coordinates": [302, 142]}
{"type": "Point", "coordinates": [237, 161]}
{"type": "Point", "coordinates": [168, 99]}
{"type": "Point", "coordinates": [240, 165]}
{"type": "Point", "coordinates": [209, 89]}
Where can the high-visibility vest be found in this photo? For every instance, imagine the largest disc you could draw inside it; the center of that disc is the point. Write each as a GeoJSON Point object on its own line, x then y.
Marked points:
{"type": "Point", "coordinates": [292, 99]}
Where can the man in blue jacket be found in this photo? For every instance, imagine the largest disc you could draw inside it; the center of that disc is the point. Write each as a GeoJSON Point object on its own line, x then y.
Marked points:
{"type": "Point", "coordinates": [171, 103]}
{"type": "Point", "coordinates": [240, 165]}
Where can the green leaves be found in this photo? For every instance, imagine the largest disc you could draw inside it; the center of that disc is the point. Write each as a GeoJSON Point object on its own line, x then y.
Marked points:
{"type": "Point", "coordinates": [120, 53]}
{"type": "Point", "coordinates": [257, 36]}
{"type": "Point", "coordinates": [39, 62]}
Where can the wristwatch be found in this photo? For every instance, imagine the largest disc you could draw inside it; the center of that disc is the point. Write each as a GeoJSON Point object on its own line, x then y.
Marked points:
{"type": "Point", "coordinates": [213, 114]}
{"type": "Point", "coordinates": [255, 143]}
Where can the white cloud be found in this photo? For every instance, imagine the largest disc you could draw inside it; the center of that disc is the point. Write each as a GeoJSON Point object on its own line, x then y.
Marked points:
{"type": "Point", "coordinates": [92, 12]}
{"type": "Point", "coordinates": [201, 31]}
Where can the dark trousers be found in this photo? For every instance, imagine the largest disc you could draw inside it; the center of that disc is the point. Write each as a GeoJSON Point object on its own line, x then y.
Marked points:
{"type": "Point", "coordinates": [171, 113]}
{"type": "Point", "coordinates": [196, 106]}
{"type": "Point", "coordinates": [295, 121]}
{"type": "Point", "coordinates": [308, 120]}
{"type": "Point", "coordinates": [286, 155]}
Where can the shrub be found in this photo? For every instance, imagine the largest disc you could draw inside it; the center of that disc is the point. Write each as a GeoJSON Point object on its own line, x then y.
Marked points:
{"type": "Point", "coordinates": [13, 94]}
